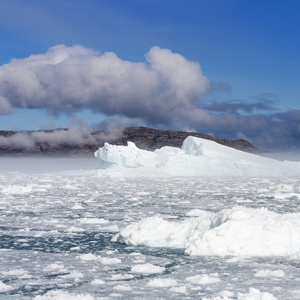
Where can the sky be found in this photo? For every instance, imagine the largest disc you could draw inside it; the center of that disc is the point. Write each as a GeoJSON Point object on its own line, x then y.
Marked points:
{"type": "Point", "coordinates": [229, 68]}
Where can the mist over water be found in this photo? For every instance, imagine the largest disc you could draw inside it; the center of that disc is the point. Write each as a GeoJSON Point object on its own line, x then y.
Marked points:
{"type": "Point", "coordinates": [46, 164]}
{"type": "Point", "coordinates": [284, 156]}
{"type": "Point", "coordinates": [72, 136]}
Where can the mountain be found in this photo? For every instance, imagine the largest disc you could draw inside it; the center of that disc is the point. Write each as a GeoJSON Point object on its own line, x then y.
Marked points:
{"type": "Point", "coordinates": [68, 142]}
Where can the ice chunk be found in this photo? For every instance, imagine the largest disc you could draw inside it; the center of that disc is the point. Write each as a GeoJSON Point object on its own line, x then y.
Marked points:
{"type": "Point", "coordinates": [255, 294]}
{"type": "Point", "coordinates": [17, 189]}
{"type": "Point", "coordinates": [62, 295]}
{"type": "Point", "coordinates": [5, 287]}
{"type": "Point", "coordinates": [157, 232]}
{"type": "Point", "coordinates": [98, 282]}
{"type": "Point", "coordinates": [230, 232]}
{"type": "Point", "coordinates": [89, 256]}
{"type": "Point", "coordinates": [110, 261]}
{"type": "Point", "coordinates": [73, 275]}
{"type": "Point", "coordinates": [122, 288]}
{"type": "Point", "coordinates": [197, 157]}
{"type": "Point", "coordinates": [147, 269]}
{"type": "Point", "coordinates": [93, 221]}
{"type": "Point", "coordinates": [269, 273]}
{"type": "Point", "coordinates": [178, 289]}
{"type": "Point", "coordinates": [162, 282]}
{"type": "Point", "coordinates": [121, 277]}
{"type": "Point", "coordinates": [202, 279]}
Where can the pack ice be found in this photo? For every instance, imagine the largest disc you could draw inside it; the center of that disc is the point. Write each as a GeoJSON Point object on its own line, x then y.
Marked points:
{"type": "Point", "coordinates": [196, 157]}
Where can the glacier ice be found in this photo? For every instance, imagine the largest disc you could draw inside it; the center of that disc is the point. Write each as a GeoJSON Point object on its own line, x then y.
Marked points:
{"type": "Point", "coordinates": [196, 157]}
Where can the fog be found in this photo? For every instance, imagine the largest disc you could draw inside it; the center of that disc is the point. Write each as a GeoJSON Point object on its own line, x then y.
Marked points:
{"type": "Point", "coordinates": [58, 164]}
{"type": "Point", "coordinates": [46, 164]}
{"type": "Point", "coordinates": [73, 136]}
{"type": "Point", "coordinates": [283, 156]}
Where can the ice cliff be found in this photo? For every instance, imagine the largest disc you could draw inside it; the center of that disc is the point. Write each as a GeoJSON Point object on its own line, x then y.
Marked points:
{"type": "Point", "coordinates": [196, 157]}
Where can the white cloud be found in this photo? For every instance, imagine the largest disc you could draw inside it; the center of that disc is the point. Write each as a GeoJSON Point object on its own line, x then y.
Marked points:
{"type": "Point", "coordinates": [67, 79]}
{"type": "Point", "coordinates": [165, 91]}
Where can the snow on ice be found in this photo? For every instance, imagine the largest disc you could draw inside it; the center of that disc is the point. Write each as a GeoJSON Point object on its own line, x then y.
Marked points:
{"type": "Point", "coordinates": [196, 157]}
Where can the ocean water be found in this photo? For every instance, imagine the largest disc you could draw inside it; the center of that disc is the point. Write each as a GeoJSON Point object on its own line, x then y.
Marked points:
{"type": "Point", "coordinates": [57, 228]}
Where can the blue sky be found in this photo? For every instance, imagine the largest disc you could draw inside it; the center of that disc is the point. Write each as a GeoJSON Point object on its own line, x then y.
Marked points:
{"type": "Point", "coordinates": [246, 54]}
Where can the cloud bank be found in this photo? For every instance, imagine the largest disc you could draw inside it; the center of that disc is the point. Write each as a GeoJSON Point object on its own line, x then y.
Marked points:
{"type": "Point", "coordinates": [166, 90]}
{"type": "Point", "coordinates": [73, 136]}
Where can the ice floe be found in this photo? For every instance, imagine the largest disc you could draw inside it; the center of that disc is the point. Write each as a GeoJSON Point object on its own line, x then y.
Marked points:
{"type": "Point", "coordinates": [231, 232]}
{"type": "Point", "coordinates": [147, 269]}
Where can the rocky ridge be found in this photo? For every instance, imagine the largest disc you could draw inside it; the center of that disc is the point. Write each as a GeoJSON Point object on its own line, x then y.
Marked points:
{"type": "Point", "coordinates": [144, 138]}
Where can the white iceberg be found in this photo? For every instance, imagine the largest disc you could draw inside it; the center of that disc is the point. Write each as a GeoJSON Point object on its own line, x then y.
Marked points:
{"type": "Point", "coordinates": [231, 232]}
{"type": "Point", "coordinates": [196, 157]}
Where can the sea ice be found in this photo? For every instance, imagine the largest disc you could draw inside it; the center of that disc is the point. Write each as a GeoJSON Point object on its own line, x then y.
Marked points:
{"type": "Point", "coordinates": [255, 294]}
{"type": "Point", "coordinates": [196, 157]}
{"type": "Point", "coordinates": [163, 282]}
{"type": "Point", "coordinates": [147, 269]}
{"type": "Point", "coordinates": [51, 251]}
{"type": "Point", "coordinates": [62, 295]}
{"type": "Point", "coordinates": [17, 189]}
{"type": "Point", "coordinates": [98, 282]}
{"type": "Point", "coordinates": [121, 277]}
{"type": "Point", "coordinates": [269, 273]}
{"type": "Point", "coordinates": [93, 221]}
{"type": "Point", "coordinates": [122, 288]}
{"type": "Point", "coordinates": [5, 287]}
{"type": "Point", "coordinates": [178, 289]}
{"type": "Point", "coordinates": [231, 232]}
{"type": "Point", "coordinates": [89, 256]}
{"type": "Point", "coordinates": [73, 275]}
{"type": "Point", "coordinates": [202, 279]}
{"type": "Point", "coordinates": [110, 261]}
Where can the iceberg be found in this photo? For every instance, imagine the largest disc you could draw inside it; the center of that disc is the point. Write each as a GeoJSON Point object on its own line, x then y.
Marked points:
{"type": "Point", "coordinates": [196, 157]}
{"type": "Point", "coordinates": [231, 232]}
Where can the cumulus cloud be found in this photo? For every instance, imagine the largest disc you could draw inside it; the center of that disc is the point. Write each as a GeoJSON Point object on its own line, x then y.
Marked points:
{"type": "Point", "coordinates": [66, 79]}
{"type": "Point", "coordinates": [166, 90]}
